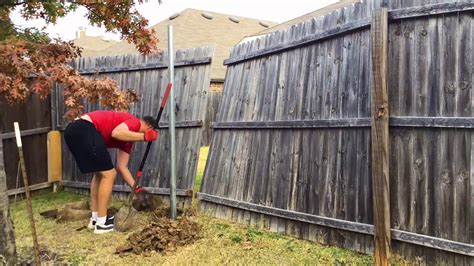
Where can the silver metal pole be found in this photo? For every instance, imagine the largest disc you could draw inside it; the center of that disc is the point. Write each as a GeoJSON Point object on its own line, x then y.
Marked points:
{"type": "Point", "coordinates": [172, 124]}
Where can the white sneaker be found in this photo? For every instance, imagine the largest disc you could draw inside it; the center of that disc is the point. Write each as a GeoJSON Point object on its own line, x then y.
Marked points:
{"type": "Point", "coordinates": [105, 228]}
{"type": "Point", "coordinates": [91, 225]}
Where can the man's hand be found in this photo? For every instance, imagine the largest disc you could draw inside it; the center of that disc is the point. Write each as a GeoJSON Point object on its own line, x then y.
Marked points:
{"type": "Point", "coordinates": [150, 135]}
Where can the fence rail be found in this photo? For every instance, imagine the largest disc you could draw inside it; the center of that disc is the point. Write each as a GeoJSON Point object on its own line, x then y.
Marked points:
{"type": "Point", "coordinates": [24, 133]}
{"type": "Point", "coordinates": [143, 67]}
{"type": "Point", "coordinates": [422, 240]}
{"type": "Point", "coordinates": [420, 122]}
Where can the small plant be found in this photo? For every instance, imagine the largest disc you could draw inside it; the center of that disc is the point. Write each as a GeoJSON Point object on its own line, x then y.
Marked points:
{"type": "Point", "coordinates": [277, 236]}
{"type": "Point", "coordinates": [222, 227]}
{"type": "Point", "coordinates": [291, 245]}
{"type": "Point", "coordinates": [236, 238]}
{"type": "Point", "coordinates": [77, 259]}
{"type": "Point", "coordinates": [252, 233]}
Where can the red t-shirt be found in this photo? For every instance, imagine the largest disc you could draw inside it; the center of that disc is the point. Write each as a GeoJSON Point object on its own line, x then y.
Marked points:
{"type": "Point", "coordinates": [106, 121]}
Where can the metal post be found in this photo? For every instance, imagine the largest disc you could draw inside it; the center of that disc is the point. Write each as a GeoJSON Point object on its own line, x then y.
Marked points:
{"type": "Point", "coordinates": [172, 124]}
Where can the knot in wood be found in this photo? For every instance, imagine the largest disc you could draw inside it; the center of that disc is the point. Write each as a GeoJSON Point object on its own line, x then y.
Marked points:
{"type": "Point", "coordinates": [381, 111]}
{"type": "Point", "coordinates": [462, 176]}
{"type": "Point", "coordinates": [406, 33]}
{"type": "Point", "coordinates": [445, 179]}
{"type": "Point", "coordinates": [451, 89]}
{"type": "Point", "coordinates": [418, 162]}
{"type": "Point", "coordinates": [464, 85]}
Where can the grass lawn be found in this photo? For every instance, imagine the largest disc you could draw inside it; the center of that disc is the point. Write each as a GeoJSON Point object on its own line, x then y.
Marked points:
{"type": "Point", "coordinates": [222, 241]}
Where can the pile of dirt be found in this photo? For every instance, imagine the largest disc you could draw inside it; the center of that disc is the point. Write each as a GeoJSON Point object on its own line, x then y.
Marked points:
{"type": "Point", "coordinates": [163, 234]}
{"type": "Point", "coordinates": [126, 217]}
{"type": "Point", "coordinates": [75, 211]}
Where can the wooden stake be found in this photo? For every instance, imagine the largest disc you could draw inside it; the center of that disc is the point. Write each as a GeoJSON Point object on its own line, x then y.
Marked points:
{"type": "Point", "coordinates": [27, 193]}
{"type": "Point", "coordinates": [380, 137]}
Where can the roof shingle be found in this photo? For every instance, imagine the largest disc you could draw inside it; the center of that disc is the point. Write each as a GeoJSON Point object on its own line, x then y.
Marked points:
{"type": "Point", "coordinates": [192, 29]}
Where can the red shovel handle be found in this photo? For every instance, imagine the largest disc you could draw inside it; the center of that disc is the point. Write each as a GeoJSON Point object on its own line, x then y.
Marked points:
{"type": "Point", "coordinates": [167, 94]}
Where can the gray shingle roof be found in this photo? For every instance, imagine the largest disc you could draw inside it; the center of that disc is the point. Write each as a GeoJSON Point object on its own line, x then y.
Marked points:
{"type": "Point", "coordinates": [192, 29]}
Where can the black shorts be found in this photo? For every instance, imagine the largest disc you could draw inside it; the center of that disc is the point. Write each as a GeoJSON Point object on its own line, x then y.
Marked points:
{"type": "Point", "coordinates": [87, 146]}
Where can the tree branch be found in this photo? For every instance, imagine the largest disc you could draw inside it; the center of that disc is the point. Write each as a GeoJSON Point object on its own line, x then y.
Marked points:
{"type": "Point", "coordinates": [13, 4]}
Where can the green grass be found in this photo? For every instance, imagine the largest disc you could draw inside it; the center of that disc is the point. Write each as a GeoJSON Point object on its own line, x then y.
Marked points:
{"type": "Point", "coordinates": [42, 202]}
{"type": "Point", "coordinates": [222, 242]}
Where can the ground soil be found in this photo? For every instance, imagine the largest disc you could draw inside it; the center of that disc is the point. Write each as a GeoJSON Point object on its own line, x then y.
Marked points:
{"type": "Point", "coordinates": [163, 234]}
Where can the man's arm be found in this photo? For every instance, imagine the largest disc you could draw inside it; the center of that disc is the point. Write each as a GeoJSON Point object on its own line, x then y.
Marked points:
{"type": "Point", "coordinates": [122, 167]}
{"type": "Point", "coordinates": [121, 132]}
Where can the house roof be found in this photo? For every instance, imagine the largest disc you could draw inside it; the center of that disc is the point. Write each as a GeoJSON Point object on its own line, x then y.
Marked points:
{"type": "Point", "coordinates": [92, 45]}
{"type": "Point", "coordinates": [192, 29]}
{"type": "Point", "coordinates": [317, 13]}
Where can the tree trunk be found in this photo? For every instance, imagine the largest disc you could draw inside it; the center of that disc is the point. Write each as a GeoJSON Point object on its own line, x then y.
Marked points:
{"type": "Point", "coordinates": [7, 236]}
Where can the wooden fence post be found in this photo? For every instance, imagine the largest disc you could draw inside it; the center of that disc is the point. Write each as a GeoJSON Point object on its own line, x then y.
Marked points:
{"type": "Point", "coordinates": [380, 137]}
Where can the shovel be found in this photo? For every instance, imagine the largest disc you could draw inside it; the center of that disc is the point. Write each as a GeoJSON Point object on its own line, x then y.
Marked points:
{"type": "Point", "coordinates": [125, 212]}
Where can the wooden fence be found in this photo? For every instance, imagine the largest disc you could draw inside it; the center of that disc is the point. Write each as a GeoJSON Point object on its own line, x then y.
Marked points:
{"type": "Point", "coordinates": [292, 147]}
{"type": "Point", "coordinates": [215, 96]}
{"type": "Point", "coordinates": [148, 76]}
{"type": "Point", "coordinates": [34, 118]}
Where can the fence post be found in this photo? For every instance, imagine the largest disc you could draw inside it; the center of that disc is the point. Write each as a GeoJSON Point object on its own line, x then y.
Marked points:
{"type": "Point", "coordinates": [380, 137]}
{"type": "Point", "coordinates": [172, 124]}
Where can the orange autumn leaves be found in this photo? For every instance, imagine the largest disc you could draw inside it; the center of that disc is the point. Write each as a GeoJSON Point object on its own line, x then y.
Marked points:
{"type": "Point", "coordinates": [28, 66]}
{"type": "Point", "coordinates": [35, 68]}
{"type": "Point", "coordinates": [120, 15]}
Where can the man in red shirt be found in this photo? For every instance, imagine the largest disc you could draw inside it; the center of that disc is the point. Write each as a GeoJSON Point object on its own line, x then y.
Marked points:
{"type": "Point", "coordinates": [88, 138]}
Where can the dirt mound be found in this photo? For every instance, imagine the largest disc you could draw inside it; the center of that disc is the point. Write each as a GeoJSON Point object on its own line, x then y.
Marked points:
{"type": "Point", "coordinates": [163, 234]}
{"type": "Point", "coordinates": [75, 211]}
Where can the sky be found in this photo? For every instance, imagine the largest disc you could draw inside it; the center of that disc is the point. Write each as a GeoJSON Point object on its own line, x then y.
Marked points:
{"type": "Point", "coordinates": [269, 10]}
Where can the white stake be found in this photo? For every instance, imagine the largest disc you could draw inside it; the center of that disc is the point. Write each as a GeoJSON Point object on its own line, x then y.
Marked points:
{"type": "Point", "coordinates": [27, 192]}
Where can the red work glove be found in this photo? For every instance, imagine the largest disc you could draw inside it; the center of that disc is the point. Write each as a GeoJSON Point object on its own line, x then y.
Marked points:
{"type": "Point", "coordinates": [140, 190]}
{"type": "Point", "coordinates": [150, 135]}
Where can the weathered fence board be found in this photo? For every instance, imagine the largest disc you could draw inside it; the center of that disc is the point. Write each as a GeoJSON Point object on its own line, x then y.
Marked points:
{"type": "Point", "coordinates": [148, 77]}
{"type": "Point", "coordinates": [380, 145]}
{"type": "Point", "coordinates": [292, 133]}
{"type": "Point", "coordinates": [439, 243]}
{"type": "Point", "coordinates": [34, 117]}
{"type": "Point", "coordinates": [433, 80]}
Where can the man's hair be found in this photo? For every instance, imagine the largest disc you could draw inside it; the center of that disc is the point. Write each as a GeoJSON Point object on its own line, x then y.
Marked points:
{"type": "Point", "coordinates": [149, 120]}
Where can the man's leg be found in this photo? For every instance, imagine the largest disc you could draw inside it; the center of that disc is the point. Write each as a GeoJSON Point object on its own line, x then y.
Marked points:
{"type": "Point", "coordinates": [105, 191]}
{"type": "Point", "coordinates": [94, 199]}
{"type": "Point", "coordinates": [94, 192]}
